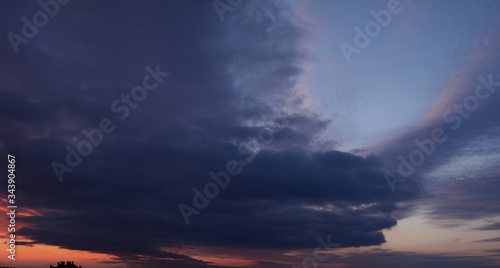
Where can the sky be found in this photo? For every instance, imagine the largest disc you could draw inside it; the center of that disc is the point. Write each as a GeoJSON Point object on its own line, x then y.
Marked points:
{"type": "Point", "coordinates": [250, 133]}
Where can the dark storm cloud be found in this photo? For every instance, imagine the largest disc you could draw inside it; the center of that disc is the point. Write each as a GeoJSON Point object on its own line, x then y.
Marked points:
{"type": "Point", "coordinates": [228, 81]}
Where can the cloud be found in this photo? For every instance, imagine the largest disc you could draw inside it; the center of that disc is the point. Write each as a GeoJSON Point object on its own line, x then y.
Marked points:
{"type": "Point", "coordinates": [496, 239]}
{"type": "Point", "coordinates": [408, 259]}
{"type": "Point", "coordinates": [463, 200]}
{"type": "Point", "coordinates": [493, 226]}
{"type": "Point", "coordinates": [228, 81]}
{"type": "Point", "coordinates": [459, 175]}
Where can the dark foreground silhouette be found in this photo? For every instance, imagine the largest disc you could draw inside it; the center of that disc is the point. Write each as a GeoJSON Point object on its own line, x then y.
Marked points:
{"type": "Point", "coordinates": [68, 264]}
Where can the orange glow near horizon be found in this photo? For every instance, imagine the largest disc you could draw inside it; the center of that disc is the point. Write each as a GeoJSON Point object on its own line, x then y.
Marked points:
{"type": "Point", "coordinates": [44, 256]}
{"type": "Point", "coordinates": [40, 255]}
